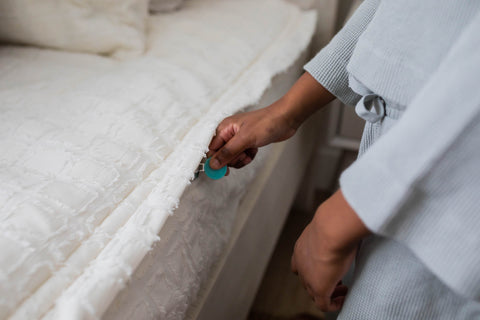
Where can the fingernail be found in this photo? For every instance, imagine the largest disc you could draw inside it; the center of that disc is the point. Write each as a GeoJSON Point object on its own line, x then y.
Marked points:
{"type": "Point", "coordinates": [215, 164]}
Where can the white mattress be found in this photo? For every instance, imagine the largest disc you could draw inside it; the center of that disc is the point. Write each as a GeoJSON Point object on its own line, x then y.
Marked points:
{"type": "Point", "coordinates": [96, 153]}
{"type": "Point", "coordinates": [168, 280]}
{"type": "Point", "coordinates": [174, 278]}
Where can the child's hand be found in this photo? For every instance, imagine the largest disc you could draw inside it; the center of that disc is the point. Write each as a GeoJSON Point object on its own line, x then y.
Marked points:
{"type": "Point", "coordinates": [238, 137]}
{"type": "Point", "coordinates": [325, 251]}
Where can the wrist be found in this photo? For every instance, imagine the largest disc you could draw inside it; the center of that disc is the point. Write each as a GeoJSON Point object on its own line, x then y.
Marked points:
{"type": "Point", "coordinates": [339, 225]}
{"type": "Point", "coordinates": [284, 111]}
{"type": "Point", "coordinates": [304, 98]}
{"type": "Point", "coordinates": [293, 110]}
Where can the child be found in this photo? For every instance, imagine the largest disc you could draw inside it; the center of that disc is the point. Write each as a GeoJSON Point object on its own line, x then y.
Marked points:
{"type": "Point", "coordinates": [408, 208]}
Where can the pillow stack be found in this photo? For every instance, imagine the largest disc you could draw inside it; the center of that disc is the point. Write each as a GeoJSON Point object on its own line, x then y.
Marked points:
{"type": "Point", "coordinates": [109, 27]}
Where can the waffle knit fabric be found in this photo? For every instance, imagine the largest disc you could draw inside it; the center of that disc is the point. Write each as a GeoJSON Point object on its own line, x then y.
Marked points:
{"type": "Point", "coordinates": [416, 185]}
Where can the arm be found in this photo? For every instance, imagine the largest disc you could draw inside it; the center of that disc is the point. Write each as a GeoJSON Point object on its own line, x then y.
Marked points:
{"type": "Point", "coordinates": [330, 239]}
{"type": "Point", "coordinates": [238, 137]}
{"type": "Point", "coordinates": [326, 249]}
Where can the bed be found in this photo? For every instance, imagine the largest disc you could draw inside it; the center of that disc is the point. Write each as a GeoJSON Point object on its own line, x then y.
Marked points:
{"type": "Point", "coordinates": [98, 155]}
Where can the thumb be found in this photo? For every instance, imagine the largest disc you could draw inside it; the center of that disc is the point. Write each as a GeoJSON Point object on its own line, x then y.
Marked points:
{"type": "Point", "coordinates": [228, 152]}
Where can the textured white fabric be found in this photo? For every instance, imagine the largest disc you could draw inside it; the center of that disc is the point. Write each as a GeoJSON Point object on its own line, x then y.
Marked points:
{"type": "Point", "coordinates": [95, 26]}
{"type": "Point", "coordinates": [165, 5]}
{"type": "Point", "coordinates": [96, 153]}
{"type": "Point", "coordinates": [170, 278]}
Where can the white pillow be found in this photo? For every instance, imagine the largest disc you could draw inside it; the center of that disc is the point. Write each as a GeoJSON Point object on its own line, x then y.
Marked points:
{"type": "Point", "coordinates": [164, 5]}
{"type": "Point", "coordinates": [110, 27]}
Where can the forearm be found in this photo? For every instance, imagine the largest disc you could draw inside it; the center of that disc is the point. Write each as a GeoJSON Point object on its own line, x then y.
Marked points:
{"type": "Point", "coordinates": [305, 97]}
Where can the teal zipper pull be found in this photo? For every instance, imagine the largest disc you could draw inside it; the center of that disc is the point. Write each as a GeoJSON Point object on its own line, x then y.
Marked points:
{"type": "Point", "coordinates": [214, 174]}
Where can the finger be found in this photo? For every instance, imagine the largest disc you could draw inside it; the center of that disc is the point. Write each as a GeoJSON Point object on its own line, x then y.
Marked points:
{"type": "Point", "coordinates": [310, 292]}
{"type": "Point", "coordinates": [243, 163]}
{"type": "Point", "coordinates": [333, 303]}
{"type": "Point", "coordinates": [217, 142]}
{"type": "Point", "coordinates": [251, 152]}
{"type": "Point", "coordinates": [293, 265]}
{"type": "Point", "coordinates": [238, 160]}
{"type": "Point", "coordinates": [337, 303]}
{"type": "Point", "coordinates": [302, 281]}
{"type": "Point", "coordinates": [329, 305]}
{"type": "Point", "coordinates": [228, 152]}
{"type": "Point", "coordinates": [222, 135]}
{"type": "Point", "coordinates": [322, 303]}
{"type": "Point", "coordinates": [340, 291]}
{"type": "Point", "coordinates": [244, 160]}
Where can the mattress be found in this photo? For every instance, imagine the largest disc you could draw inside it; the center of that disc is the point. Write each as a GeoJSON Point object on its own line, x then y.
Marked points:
{"type": "Point", "coordinates": [168, 280]}
{"type": "Point", "coordinates": [174, 278]}
{"type": "Point", "coordinates": [97, 153]}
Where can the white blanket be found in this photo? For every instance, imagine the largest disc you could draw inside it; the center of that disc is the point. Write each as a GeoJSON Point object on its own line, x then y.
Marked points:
{"type": "Point", "coordinates": [96, 153]}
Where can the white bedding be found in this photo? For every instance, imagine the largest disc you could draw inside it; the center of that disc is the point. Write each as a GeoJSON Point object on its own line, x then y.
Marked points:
{"type": "Point", "coordinates": [96, 153]}
{"type": "Point", "coordinates": [174, 279]}
{"type": "Point", "coordinates": [168, 281]}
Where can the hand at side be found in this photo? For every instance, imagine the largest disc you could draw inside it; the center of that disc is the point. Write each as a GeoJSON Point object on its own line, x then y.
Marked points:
{"type": "Point", "coordinates": [325, 251]}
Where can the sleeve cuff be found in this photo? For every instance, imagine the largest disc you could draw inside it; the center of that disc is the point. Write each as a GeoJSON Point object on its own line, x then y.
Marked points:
{"type": "Point", "coordinates": [330, 71]}
{"type": "Point", "coordinates": [329, 66]}
{"type": "Point", "coordinates": [374, 194]}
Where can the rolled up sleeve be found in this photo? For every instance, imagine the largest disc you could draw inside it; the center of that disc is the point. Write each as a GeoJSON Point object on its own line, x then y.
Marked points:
{"type": "Point", "coordinates": [329, 66]}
